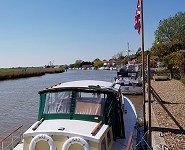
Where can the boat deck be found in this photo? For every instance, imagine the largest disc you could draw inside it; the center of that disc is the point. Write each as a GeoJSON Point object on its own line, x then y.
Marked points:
{"type": "Point", "coordinates": [68, 127]}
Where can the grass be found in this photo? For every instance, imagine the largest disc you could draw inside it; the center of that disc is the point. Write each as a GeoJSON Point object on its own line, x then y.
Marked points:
{"type": "Point", "coordinates": [15, 73]}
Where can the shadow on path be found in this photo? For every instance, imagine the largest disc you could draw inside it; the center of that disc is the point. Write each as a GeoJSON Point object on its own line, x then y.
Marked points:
{"type": "Point", "coordinates": [175, 131]}
{"type": "Point", "coordinates": [161, 102]}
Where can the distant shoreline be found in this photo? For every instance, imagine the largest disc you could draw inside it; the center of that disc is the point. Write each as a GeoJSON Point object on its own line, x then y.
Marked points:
{"type": "Point", "coordinates": [7, 74]}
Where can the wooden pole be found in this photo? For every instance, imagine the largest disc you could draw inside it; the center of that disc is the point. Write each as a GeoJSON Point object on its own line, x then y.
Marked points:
{"type": "Point", "coordinates": [143, 63]}
{"type": "Point", "coordinates": [96, 128]}
{"type": "Point", "coordinates": [149, 101]}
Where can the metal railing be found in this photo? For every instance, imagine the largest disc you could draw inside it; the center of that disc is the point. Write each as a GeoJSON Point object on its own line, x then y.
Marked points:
{"type": "Point", "coordinates": [12, 139]}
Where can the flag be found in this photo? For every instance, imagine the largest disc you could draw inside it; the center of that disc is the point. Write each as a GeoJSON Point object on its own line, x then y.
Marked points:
{"type": "Point", "coordinates": [137, 23]}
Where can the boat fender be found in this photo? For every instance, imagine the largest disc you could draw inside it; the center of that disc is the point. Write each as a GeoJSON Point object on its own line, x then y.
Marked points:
{"type": "Point", "coordinates": [43, 137]}
{"type": "Point", "coordinates": [74, 140]}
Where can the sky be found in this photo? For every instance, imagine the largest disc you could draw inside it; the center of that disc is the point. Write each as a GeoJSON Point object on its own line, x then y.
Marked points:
{"type": "Point", "coordinates": [35, 32]}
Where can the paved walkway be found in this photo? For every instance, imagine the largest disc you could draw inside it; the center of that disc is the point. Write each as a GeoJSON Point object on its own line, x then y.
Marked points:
{"type": "Point", "coordinates": [169, 114]}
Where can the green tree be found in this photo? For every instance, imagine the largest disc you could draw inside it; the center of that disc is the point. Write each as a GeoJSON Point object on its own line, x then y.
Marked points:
{"type": "Point", "coordinates": [164, 49]}
{"type": "Point", "coordinates": [169, 40]}
{"type": "Point", "coordinates": [171, 29]}
{"type": "Point", "coordinates": [97, 63]}
{"type": "Point", "coordinates": [169, 53]}
{"type": "Point", "coordinates": [77, 63]}
{"type": "Point", "coordinates": [97, 59]}
{"type": "Point", "coordinates": [71, 66]}
{"type": "Point", "coordinates": [176, 59]}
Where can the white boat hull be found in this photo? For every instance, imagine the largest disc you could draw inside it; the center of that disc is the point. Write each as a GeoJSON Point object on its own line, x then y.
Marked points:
{"type": "Point", "coordinates": [132, 90]}
{"type": "Point", "coordinates": [130, 117]}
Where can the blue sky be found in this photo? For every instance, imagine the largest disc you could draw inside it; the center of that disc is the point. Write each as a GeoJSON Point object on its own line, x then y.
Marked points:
{"type": "Point", "coordinates": [35, 32]}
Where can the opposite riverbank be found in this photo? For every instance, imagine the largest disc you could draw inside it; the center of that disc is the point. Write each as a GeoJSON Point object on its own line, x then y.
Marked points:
{"type": "Point", "coordinates": [16, 73]}
{"type": "Point", "coordinates": [172, 120]}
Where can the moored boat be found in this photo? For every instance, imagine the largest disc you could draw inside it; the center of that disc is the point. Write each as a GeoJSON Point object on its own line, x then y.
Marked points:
{"type": "Point", "coordinates": [129, 78]}
{"type": "Point", "coordinates": [87, 114]}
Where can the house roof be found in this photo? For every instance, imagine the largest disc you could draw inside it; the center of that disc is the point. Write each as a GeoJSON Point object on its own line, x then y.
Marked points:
{"type": "Point", "coordinates": [154, 57]}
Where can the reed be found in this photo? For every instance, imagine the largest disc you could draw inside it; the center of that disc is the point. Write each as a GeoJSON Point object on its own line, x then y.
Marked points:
{"type": "Point", "coordinates": [16, 73]}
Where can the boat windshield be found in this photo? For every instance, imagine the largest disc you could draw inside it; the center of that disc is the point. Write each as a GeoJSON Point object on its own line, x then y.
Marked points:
{"type": "Point", "coordinates": [58, 102]}
{"type": "Point", "coordinates": [86, 103]}
{"type": "Point", "coordinates": [90, 103]}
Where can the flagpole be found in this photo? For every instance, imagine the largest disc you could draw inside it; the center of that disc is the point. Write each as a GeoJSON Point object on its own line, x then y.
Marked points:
{"type": "Point", "coordinates": [143, 64]}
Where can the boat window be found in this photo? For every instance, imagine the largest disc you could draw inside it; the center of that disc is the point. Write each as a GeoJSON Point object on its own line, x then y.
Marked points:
{"type": "Point", "coordinates": [58, 102]}
{"type": "Point", "coordinates": [132, 74]}
{"type": "Point", "coordinates": [90, 103]}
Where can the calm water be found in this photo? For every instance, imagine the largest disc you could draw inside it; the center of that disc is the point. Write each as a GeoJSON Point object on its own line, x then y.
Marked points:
{"type": "Point", "coordinates": [19, 98]}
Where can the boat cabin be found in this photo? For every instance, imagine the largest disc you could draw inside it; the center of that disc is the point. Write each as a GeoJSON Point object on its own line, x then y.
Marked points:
{"type": "Point", "coordinates": [90, 112]}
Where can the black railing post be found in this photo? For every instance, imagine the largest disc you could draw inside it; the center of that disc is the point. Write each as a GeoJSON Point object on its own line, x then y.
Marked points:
{"type": "Point", "coordinates": [149, 101]}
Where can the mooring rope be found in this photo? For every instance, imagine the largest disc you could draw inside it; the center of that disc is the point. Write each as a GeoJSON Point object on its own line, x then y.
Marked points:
{"type": "Point", "coordinates": [143, 139]}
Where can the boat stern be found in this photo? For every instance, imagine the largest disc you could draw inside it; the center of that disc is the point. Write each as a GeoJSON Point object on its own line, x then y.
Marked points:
{"type": "Point", "coordinates": [70, 134]}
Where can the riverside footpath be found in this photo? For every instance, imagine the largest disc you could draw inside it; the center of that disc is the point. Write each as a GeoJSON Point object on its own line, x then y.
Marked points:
{"type": "Point", "coordinates": [169, 114]}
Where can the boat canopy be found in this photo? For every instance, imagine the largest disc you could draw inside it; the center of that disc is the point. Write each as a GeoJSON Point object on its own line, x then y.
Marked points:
{"type": "Point", "coordinates": [91, 103]}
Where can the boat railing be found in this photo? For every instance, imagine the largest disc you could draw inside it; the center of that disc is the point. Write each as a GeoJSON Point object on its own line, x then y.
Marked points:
{"type": "Point", "coordinates": [12, 139]}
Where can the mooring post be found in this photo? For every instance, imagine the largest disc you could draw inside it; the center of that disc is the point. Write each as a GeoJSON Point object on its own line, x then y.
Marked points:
{"type": "Point", "coordinates": [149, 101]}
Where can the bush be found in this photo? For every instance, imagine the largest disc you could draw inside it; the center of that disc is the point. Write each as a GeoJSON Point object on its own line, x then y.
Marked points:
{"type": "Point", "coordinates": [165, 72]}
{"type": "Point", "coordinates": [183, 79]}
{"type": "Point", "coordinates": [162, 72]}
{"type": "Point", "coordinates": [176, 74]}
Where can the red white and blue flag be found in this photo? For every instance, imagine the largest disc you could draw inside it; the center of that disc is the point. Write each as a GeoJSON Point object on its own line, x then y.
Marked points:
{"type": "Point", "coordinates": [137, 23]}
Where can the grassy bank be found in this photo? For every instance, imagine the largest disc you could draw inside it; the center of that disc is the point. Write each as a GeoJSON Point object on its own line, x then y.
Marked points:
{"type": "Point", "coordinates": [15, 73]}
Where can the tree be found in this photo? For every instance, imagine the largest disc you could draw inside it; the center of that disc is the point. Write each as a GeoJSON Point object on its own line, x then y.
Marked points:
{"type": "Point", "coordinates": [169, 40]}
{"type": "Point", "coordinates": [176, 59]}
{"type": "Point", "coordinates": [71, 66]}
{"type": "Point", "coordinates": [97, 63]}
{"type": "Point", "coordinates": [164, 49]}
{"type": "Point", "coordinates": [77, 63]}
{"type": "Point", "coordinates": [171, 29]}
{"type": "Point", "coordinates": [119, 58]}
{"type": "Point", "coordinates": [169, 53]}
{"type": "Point", "coordinates": [96, 59]}
{"type": "Point", "coordinates": [86, 63]}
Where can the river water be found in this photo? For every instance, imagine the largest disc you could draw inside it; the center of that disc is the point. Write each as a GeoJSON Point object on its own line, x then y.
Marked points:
{"type": "Point", "coordinates": [19, 99]}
